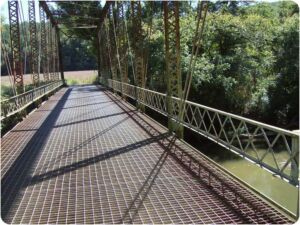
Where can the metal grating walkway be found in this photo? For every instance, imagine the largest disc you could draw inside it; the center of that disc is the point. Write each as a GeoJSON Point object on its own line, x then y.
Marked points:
{"type": "Point", "coordinates": [85, 156]}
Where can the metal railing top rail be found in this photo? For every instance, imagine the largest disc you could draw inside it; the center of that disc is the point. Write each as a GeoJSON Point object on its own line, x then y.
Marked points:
{"type": "Point", "coordinates": [27, 92]}
{"type": "Point", "coordinates": [254, 122]}
{"type": "Point", "coordinates": [274, 149]}
{"type": "Point", "coordinates": [16, 103]}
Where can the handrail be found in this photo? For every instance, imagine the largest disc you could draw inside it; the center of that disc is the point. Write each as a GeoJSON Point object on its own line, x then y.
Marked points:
{"type": "Point", "coordinates": [19, 102]}
{"type": "Point", "coordinates": [255, 141]}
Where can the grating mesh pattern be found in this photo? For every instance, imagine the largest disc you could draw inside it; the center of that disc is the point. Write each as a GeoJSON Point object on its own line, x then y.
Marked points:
{"type": "Point", "coordinates": [87, 157]}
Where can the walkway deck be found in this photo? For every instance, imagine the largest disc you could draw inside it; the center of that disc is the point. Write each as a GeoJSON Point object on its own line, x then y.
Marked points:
{"type": "Point", "coordinates": [85, 156]}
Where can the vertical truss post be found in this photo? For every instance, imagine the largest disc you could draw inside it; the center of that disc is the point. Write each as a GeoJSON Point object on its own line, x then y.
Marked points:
{"type": "Point", "coordinates": [44, 45]}
{"type": "Point", "coordinates": [98, 55]}
{"type": "Point", "coordinates": [173, 62]}
{"type": "Point", "coordinates": [109, 49]}
{"type": "Point", "coordinates": [101, 59]}
{"type": "Point", "coordinates": [33, 44]}
{"type": "Point", "coordinates": [13, 8]}
{"type": "Point", "coordinates": [295, 159]}
{"type": "Point", "coordinates": [54, 53]}
{"type": "Point", "coordinates": [116, 28]}
{"type": "Point", "coordinates": [122, 43]}
{"type": "Point", "coordinates": [60, 58]}
{"type": "Point", "coordinates": [138, 48]}
{"type": "Point", "coordinates": [102, 56]}
{"type": "Point", "coordinates": [50, 52]}
{"type": "Point", "coordinates": [113, 44]}
{"type": "Point", "coordinates": [105, 56]}
{"type": "Point", "coordinates": [57, 55]}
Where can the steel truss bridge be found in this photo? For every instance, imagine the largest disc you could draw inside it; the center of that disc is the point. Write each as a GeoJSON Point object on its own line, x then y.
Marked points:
{"type": "Point", "coordinates": [90, 154]}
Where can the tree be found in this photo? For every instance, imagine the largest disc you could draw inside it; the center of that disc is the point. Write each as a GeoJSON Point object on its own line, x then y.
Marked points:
{"type": "Point", "coordinates": [284, 96]}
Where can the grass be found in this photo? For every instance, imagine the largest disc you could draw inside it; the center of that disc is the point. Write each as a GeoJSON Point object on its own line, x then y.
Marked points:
{"type": "Point", "coordinates": [7, 92]}
{"type": "Point", "coordinates": [72, 78]}
{"type": "Point", "coordinates": [83, 77]}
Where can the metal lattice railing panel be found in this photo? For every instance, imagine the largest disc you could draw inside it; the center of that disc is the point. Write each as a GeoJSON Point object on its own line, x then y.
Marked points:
{"type": "Point", "coordinates": [154, 100]}
{"type": "Point", "coordinates": [272, 148]}
{"type": "Point", "coordinates": [128, 90]}
{"type": "Point", "coordinates": [255, 141]}
{"type": "Point", "coordinates": [15, 104]}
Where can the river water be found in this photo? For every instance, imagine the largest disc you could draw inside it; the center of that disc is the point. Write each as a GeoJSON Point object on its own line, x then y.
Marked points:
{"type": "Point", "coordinates": [276, 189]}
{"type": "Point", "coordinates": [281, 192]}
{"type": "Point", "coordinates": [263, 181]}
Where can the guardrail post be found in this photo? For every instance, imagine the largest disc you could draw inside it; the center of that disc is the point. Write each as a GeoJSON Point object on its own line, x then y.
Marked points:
{"type": "Point", "coordinates": [295, 153]}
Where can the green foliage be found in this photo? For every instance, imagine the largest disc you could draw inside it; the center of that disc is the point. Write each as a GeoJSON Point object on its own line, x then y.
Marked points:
{"type": "Point", "coordinates": [249, 61]}
{"type": "Point", "coordinates": [237, 62]}
{"type": "Point", "coordinates": [6, 92]}
{"type": "Point", "coordinates": [78, 81]}
{"type": "Point", "coordinates": [78, 55]}
{"type": "Point", "coordinates": [284, 96]}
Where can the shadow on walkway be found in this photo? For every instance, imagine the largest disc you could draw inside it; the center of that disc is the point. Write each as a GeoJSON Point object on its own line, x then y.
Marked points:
{"type": "Point", "coordinates": [91, 119]}
{"type": "Point", "coordinates": [12, 181]}
{"type": "Point", "coordinates": [18, 176]}
{"type": "Point", "coordinates": [242, 202]}
{"type": "Point", "coordinates": [80, 106]}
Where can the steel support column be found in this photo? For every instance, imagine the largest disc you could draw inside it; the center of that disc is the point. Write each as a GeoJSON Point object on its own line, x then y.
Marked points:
{"type": "Point", "coordinates": [60, 57]}
{"type": "Point", "coordinates": [123, 45]}
{"type": "Point", "coordinates": [105, 56]}
{"type": "Point", "coordinates": [13, 8]}
{"type": "Point", "coordinates": [113, 15]}
{"type": "Point", "coordinates": [109, 50]}
{"type": "Point", "coordinates": [55, 64]}
{"type": "Point", "coordinates": [173, 61]}
{"type": "Point", "coordinates": [33, 44]}
{"type": "Point", "coordinates": [98, 54]}
{"type": "Point", "coordinates": [44, 46]}
{"type": "Point", "coordinates": [50, 53]}
{"type": "Point", "coordinates": [138, 48]}
{"type": "Point", "coordinates": [137, 42]}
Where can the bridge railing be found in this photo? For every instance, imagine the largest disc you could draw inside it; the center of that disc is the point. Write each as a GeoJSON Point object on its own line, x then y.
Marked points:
{"type": "Point", "coordinates": [270, 147]}
{"type": "Point", "coordinates": [19, 102]}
